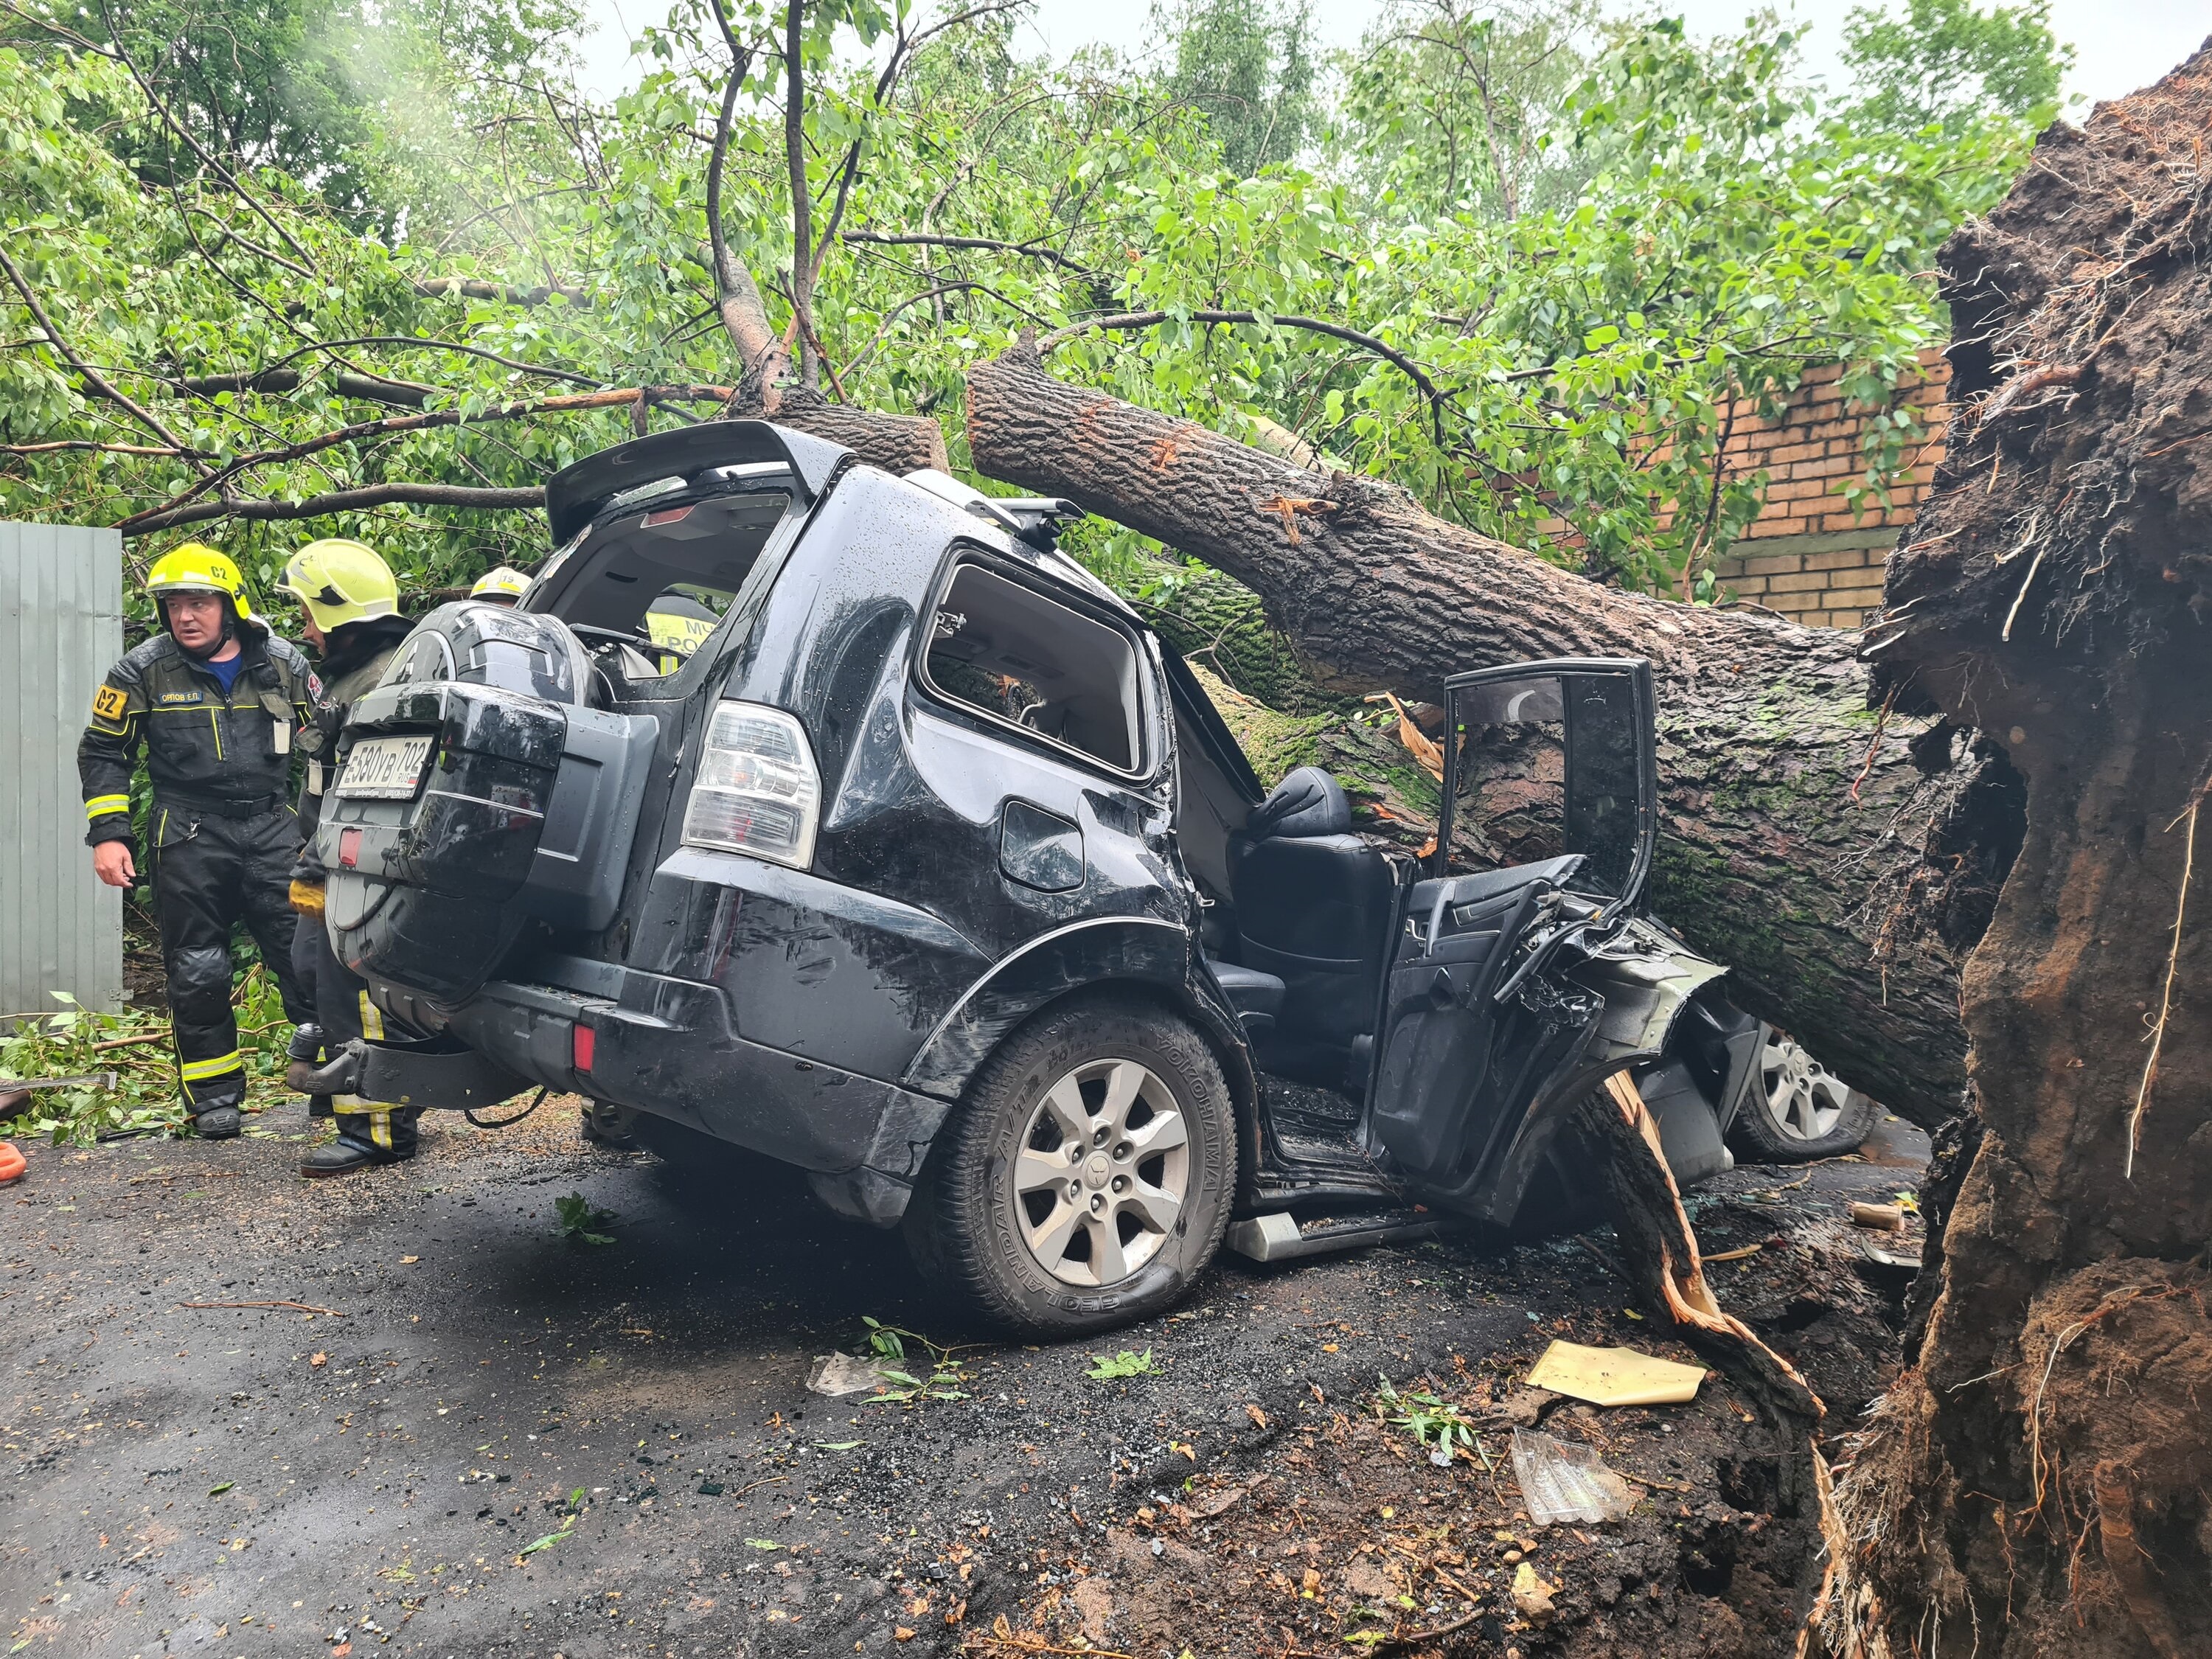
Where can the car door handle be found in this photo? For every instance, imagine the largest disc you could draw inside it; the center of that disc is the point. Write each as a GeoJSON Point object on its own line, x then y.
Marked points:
{"type": "Point", "coordinates": [1441, 992]}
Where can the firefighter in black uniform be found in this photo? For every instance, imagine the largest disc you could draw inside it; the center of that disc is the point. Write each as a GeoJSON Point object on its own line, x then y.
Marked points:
{"type": "Point", "coordinates": [351, 604]}
{"type": "Point", "coordinates": [215, 699]}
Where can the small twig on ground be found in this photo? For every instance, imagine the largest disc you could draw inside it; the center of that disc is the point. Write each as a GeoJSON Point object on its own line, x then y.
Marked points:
{"type": "Point", "coordinates": [304, 1307]}
{"type": "Point", "coordinates": [1415, 1637]}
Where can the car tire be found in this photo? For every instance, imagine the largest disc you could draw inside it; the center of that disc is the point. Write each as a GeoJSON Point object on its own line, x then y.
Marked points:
{"type": "Point", "coordinates": [1087, 1177]}
{"type": "Point", "coordinates": [1796, 1110]}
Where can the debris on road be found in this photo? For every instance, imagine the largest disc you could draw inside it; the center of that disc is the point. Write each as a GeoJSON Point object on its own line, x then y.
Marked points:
{"type": "Point", "coordinates": [12, 1163]}
{"type": "Point", "coordinates": [1616, 1377]}
{"type": "Point", "coordinates": [836, 1375]}
{"type": "Point", "coordinates": [1560, 1482]}
{"type": "Point", "coordinates": [1880, 1218]}
{"type": "Point", "coordinates": [1532, 1596]}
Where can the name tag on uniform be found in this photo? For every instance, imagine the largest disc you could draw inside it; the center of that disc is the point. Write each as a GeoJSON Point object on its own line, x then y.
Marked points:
{"type": "Point", "coordinates": [169, 697]}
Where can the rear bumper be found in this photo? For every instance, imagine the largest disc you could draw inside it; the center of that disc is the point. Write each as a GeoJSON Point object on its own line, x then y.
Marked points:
{"type": "Point", "coordinates": [666, 1045]}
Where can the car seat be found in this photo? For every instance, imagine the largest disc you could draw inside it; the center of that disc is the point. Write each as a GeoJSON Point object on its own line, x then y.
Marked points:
{"type": "Point", "coordinates": [1313, 907]}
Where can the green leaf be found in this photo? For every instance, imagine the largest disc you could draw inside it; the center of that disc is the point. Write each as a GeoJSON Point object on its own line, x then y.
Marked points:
{"type": "Point", "coordinates": [1124, 1364]}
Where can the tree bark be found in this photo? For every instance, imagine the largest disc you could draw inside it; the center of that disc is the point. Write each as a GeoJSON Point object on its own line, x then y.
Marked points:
{"type": "Point", "coordinates": [1838, 861]}
{"type": "Point", "coordinates": [897, 443]}
{"type": "Point", "coordinates": [2057, 593]}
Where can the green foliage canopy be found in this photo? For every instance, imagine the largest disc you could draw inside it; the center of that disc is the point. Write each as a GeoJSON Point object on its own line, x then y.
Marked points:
{"type": "Point", "coordinates": [1554, 368]}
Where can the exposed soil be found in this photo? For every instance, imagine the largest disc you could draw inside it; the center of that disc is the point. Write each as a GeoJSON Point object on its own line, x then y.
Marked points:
{"type": "Point", "coordinates": [2038, 1483]}
{"type": "Point", "coordinates": [221, 1481]}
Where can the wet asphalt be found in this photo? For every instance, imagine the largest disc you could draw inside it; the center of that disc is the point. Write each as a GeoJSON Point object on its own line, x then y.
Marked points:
{"type": "Point", "coordinates": [365, 1471]}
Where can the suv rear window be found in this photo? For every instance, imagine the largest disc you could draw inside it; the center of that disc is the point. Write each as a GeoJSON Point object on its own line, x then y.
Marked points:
{"type": "Point", "coordinates": [1005, 651]}
{"type": "Point", "coordinates": [653, 577]}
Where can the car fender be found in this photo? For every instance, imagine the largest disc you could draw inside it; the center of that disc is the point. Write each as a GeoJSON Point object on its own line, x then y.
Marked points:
{"type": "Point", "coordinates": [1144, 953]}
{"type": "Point", "coordinates": [1646, 979]}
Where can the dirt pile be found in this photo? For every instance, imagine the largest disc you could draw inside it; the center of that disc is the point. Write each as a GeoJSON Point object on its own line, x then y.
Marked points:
{"type": "Point", "coordinates": [2038, 1483]}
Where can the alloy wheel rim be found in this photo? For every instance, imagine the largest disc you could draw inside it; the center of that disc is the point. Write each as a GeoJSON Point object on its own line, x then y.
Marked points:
{"type": "Point", "coordinates": [1101, 1173]}
{"type": "Point", "coordinates": [1805, 1100]}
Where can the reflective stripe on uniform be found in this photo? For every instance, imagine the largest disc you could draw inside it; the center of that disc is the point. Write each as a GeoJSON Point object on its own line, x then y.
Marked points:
{"type": "Point", "coordinates": [198, 1071]}
{"type": "Point", "coordinates": [100, 806]}
{"type": "Point", "coordinates": [372, 1020]}
{"type": "Point", "coordinates": [378, 1113]}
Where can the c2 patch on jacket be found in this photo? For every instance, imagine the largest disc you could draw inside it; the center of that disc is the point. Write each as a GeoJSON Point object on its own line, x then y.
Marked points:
{"type": "Point", "coordinates": [109, 702]}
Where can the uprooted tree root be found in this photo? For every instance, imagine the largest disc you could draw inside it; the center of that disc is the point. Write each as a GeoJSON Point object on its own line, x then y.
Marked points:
{"type": "Point", "coordinates": [2038, 1483]}
{"type": "Point", "coordinates": [1660, 1252]}
{"type": "Point", "coordinates": [2105, 1413]}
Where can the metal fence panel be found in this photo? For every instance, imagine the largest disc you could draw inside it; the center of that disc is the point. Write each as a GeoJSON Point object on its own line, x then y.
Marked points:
{"type": "Point", "coordinates": [61, 626]}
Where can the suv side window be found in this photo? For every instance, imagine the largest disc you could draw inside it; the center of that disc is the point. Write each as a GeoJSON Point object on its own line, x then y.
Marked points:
{"type": "Point", "coordinates": [1003, 650]}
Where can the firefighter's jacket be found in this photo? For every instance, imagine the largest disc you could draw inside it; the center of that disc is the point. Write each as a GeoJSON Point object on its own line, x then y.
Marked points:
{"type": "Point", "coordinates": [354, 661]}
{"type": "Point", "coordinates": [205, 751]}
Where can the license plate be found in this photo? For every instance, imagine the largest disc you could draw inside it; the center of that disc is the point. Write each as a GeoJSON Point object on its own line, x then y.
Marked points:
{"type": "Point", "coordinates": [383, 768]}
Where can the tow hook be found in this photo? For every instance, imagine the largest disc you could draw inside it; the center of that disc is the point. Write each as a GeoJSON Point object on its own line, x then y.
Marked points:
{"type": "Point", "coordinates": [338, 1075]}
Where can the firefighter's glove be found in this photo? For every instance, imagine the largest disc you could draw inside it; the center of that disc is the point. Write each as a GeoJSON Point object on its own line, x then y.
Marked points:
{"type": "Point", "coordinates": [307, 897]}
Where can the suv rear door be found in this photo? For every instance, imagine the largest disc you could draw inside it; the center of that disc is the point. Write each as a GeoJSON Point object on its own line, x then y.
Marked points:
{"type": "Point", "coordinates": [1550, 807]}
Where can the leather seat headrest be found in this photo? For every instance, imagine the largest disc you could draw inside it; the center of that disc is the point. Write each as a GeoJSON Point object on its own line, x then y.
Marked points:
{"type": "Point", "coordinates": [1306, 804]}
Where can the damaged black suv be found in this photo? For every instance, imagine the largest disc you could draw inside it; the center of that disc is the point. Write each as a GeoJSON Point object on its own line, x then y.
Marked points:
{"type": "Point", "coordinates": [839, 816]}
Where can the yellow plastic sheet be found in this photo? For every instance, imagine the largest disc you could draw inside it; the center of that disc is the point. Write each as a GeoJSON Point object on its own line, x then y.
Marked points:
{"type": "Point", "coordinates": [1614, 1376]}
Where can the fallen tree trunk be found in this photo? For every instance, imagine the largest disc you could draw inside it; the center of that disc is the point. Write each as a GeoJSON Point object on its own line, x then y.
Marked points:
{"type": "Point", "coordinates": [2038, 1483]}
{"type": "Point", "coordinates": [1840, 861]}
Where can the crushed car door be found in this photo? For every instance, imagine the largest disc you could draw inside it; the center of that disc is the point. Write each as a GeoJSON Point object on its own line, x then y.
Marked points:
{"type": "Point", "coordinates": [1548, 815]}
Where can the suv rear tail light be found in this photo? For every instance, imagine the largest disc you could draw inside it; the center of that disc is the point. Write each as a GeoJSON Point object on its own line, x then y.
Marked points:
{"type": "Point", "coordinates": [583, 1040]}
{"type": "Point", "coordinates": [757, 791]}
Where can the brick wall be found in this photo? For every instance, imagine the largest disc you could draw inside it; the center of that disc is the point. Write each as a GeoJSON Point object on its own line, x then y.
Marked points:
{"type": "Point", "coordinates": [1807, 555]}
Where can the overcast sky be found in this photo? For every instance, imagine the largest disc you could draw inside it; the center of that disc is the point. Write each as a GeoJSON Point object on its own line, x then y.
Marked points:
{"type": "Point", "coordinates": [2120, 45]}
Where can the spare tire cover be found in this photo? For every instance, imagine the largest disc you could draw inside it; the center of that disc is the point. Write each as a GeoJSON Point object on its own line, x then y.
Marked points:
{"type": "Point", "coordinates": [480, 644]}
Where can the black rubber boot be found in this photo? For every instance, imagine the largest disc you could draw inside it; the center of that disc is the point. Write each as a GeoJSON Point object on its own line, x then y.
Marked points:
{"type": "Point", "coordinates": [344, 1156]}
{"type": "Point", "coordinates": [217, 1116]}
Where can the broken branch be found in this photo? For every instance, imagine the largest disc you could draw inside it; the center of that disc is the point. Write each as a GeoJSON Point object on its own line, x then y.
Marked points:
{"type": "Point", "coordinates": [339, 501]}
{"type": "Point", "coordinates": [982, 244]}
{"type": "Point", "coordinates": [91, 376]}
{"type": "Point", "coordinates": [1131, 320]}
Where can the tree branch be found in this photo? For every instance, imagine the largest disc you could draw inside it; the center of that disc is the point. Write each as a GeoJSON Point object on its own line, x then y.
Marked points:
{"type": "Point", "coordinates": [738, 297]}
{"type": "Point", "coordinates": [616, 398]}
{"type": "Point", "coordinates": [1129, 320]}
{"type": "Point", "coordinates": [551, 373]}
{"type": "Point", "coordinates": [470, 287]}
{"type": "Point", "coordinates": [91, 376]}
{"type": "Point", "coordinates": [88, 443]}
{"type": "Point", "coordinates": [339, 501]}
{"type": "Point", "coordinates": [160, 107]}
{"type": "Point", "coordinates": [802, 205]}
{"type": "Point", "coordinates": [1029, 250]}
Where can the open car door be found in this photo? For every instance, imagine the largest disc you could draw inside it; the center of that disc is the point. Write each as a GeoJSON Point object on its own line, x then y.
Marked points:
{"type": "Point", "coordinates": [1550, 809]}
